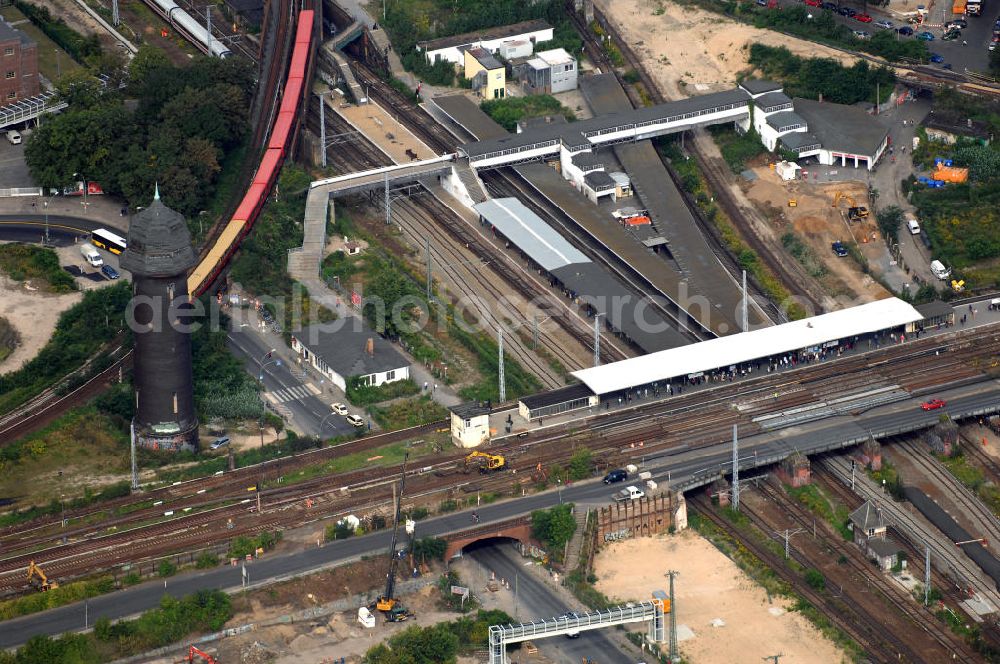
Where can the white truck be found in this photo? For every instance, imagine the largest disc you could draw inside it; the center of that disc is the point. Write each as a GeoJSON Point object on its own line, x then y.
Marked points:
{"type": "Point", "coordinates": [629, 493]}
{"type": "Point", "coordinates": [91, 255]}
{"type": "Point", "coordinates": [939, 270]}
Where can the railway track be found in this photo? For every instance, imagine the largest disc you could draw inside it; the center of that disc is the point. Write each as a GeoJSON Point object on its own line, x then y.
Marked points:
{"type": "Point", "coordinates": [985, 523]}
{"type": "Point", "coordinates": [849, 617]}
{"type": "Point", "coordinates": [716, 173]}
{"type": "Point", "coordinates": [426, 217]}
{"type": "Point", "coordinates": [685, 422]}
{"type": "Point", "coordinates": [919, 532]}
{"type": "Point", "coordinates": [914, 631]}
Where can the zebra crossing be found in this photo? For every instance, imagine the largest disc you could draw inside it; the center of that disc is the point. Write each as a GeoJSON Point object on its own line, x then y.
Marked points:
{"type": "Point", "coordinates": [293, 393]}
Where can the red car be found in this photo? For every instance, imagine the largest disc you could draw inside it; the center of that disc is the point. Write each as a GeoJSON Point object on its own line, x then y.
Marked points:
{"type": "Point", "coordinates": [864, 18]}
{"type": "Point", "coordinates": [933, 404]}
{"type": "Point", "coordinates": [813, 3]}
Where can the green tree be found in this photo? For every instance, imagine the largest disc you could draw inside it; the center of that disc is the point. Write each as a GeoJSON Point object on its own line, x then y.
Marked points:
{"type": "Point", "coordinates": [889, 220]}
{"type": "Point", "coordinates": [815, 579]}
{"type": "Point", "coordinates": [429, 547]}
{"type": "Point", "coordinates": [554, 526]}
{"type": "Point", "coordinates": [581, 464]}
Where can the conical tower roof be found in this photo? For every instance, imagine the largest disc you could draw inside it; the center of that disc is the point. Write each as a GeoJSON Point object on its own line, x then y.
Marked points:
{"type": "Point", "coordinates": [159, 244]}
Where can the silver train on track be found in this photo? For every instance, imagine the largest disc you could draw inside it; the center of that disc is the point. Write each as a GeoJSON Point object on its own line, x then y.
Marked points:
{"type": "Point", "coordinates": [193, 28]}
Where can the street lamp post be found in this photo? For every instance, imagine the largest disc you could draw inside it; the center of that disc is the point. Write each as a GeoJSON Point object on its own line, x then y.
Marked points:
{"type": "Point", "coordinates": [45, 206]}
{"type": "Point", "coordinates": [260, 377]}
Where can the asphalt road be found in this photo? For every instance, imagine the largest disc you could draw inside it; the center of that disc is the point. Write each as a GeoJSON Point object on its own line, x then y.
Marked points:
{"type": "Point", "coordinates": [666, 467]}
{"type": "Point", "coordinates": [974, 57]}
{"type": "Point", "coordinates": [67, 226]}
{"type": "Point", "coordinates": [309, 411]}
{"type": "Point", "coordinates": [535, 601]}
{"type": "Point", "coordinates": [13, 168]}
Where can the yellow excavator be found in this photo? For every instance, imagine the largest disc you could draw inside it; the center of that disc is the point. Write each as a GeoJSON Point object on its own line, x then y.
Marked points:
{"type": "Point", "coordinates": [34, 571]}
{"type": "Point", "coordinates": [488, 463]}
{"type": "Point", "coordinates": [855, 212]}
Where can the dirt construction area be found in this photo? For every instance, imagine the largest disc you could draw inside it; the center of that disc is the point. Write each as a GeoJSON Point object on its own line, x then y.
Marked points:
{"type": "Point", "coordinates": [732, 619]}
{"type": "Point", "coordinates": [818, 223]}
{"type": "Point", "coordinates": [33, 314]}
{"type": "Point", "coordinates": [689, 51]}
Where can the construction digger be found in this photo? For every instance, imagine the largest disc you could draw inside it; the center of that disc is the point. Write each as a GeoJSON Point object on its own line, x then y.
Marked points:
{"type": "Point", "coordinates": [488, 463]}
{"type": "Point", "coordinates": [387, 602]}
{"type": "Point", "coordinates": [196, 654]}
{"type": "Point", "coordinates": [34, 571]}
{"type": "Point", "coordinates": [855, 212]}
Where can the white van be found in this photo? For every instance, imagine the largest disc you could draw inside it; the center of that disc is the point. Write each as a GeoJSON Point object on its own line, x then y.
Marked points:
{"type": "Point", "coordinates": [14, 137]}
{"type": "Point", "coordinates": [91, 255]}
{"type": "Point", "coordinates": [913, 226]}
{"type": "Point", "coordinates": [939, 270]}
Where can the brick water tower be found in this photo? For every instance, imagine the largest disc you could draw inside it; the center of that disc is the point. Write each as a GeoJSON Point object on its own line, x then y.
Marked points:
{"type": "Point", "coordinates": [159, 256]}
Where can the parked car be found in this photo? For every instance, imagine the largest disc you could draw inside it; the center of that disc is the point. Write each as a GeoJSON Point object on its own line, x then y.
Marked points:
{"type": "Point", "coordinates": [812, 3]}
{"type": "Point", "coordinates": [862, 34]}
{"type": "Point", "coordinates": [845, 11]}
{"type": "Point", "coordinates": [339, 408]}
{"type": "Point", "coordinates": [109, 272]}
{"type": "Point", "coordinates": [864, 18]}
{"type": "Point", "coordinates": [219, 442]}
{"type": "Point", "coordinates": [354, 420]}
{"type": "Point", "coordinates": [925, 36]}
{"type": "Point", "coordinates": [958, 23]}
{"type": "Point", "coordinates": [885, 25]}
{"type": "Point", "coordinates": [936, 58]}
{"type": "Point", "coordinates": [762, 3]}
{"type": "Point", "coordinates": [851, 12]}
{"type": "Point", "coordinates": [947, 66]}
{"type": "Point", "coordinates": [933, 404]}
{"type": "Point", "coordinates": [906, 31]}
{"type": "Point", "coordinates": [829, 6]}
{"type": "Point", "coordinates": [618, 475]}
{"type": "Point", "coordinates": [951, 35]}
{"type": "Point", "coordinates": [839, 249]}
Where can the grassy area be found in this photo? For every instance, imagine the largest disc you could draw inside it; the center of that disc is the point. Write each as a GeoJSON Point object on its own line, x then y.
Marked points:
{"type": "Point", "coordinates": [737, 149]}
{"type": "Point", "coordinates": [174, 619]}
{"type": "Point", "coordinates": [27, 262]}
{"type": "Point", "coordinates": [387, 455]}
{"type": "Point", "coordinates": [364, 395]}
{"type": "Point", "coordinates": [823, 506]}
{"type": "Point", "coordinates": [694, 183]}
{"type": "Point", "coordinates": [974, 479]}
{"type": "Point", "coordinates": [66, 593]}
{"type": "Point", "coordinates": [74, 456]}
{"type": "Point", "coordinates": [9, 339]}
{"type": "Point", "coordinates": [53, 61]}
{"type": "Point", "coordinates": [408, 413]}
{"type": "Point", "coordinates": [511, 110]}
{"type": "Point", "coordinates": [803, 254]}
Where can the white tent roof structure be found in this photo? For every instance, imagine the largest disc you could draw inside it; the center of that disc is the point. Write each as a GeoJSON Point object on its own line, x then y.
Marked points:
{"type": "Point", "coordinates": [530, 233]}
{"type": "Point", "coordinates": [734, 349]}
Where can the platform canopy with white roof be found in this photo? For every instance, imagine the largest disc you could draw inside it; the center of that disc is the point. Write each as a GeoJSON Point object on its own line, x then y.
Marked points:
{"type": "Point", "coordinates": [738, 348]}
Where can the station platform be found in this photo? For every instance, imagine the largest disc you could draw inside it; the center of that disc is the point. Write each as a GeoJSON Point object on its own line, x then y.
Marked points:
{"type": "Point", "coordinates": [659, 195]}
{"type": "Point", "coordinates": [465, 113]}
{"type": "Point", "coordinates": [597, 223]}
{"type": "Point", "coordinates": [381, 128]}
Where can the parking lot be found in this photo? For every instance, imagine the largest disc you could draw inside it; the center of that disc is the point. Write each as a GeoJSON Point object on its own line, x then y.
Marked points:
{"type": "Point", "coordinates": [13, 169]}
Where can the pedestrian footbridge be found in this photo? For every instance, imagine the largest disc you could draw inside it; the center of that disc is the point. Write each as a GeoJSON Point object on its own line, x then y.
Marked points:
{"type": "Point", "coordinates": [653, 611]}
{"type": "Point", "coordinates": [30, 108]}
{"type": "Point", "coordinates": [387, 176]}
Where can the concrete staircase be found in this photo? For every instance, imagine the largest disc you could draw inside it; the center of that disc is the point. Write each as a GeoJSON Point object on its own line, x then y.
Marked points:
{"type": "Point", "coordinates": [334, 60]}
{"type": "Point", "coordinates": [470, 181]}
{"type": "Point", "coordinates": [304, 261]}
{"type": "Point", "coordinates": [575, 546]}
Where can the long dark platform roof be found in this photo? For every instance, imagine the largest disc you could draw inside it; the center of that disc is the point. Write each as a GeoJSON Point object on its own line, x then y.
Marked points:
{"type": "Point", "coordinates": [561, 395]}
{"type": "Point", "coordinates": [661, 112]}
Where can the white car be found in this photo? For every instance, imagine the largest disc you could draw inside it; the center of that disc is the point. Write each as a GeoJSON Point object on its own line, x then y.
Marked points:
{"type": "Point", "coordinates": [339, 408]}
{"type": "Point", "coordinates": [355, 420]}
{"type": "Point", "coordinates": [885, 25]}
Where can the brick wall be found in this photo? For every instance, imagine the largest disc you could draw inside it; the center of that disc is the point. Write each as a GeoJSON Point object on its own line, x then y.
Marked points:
{"type": "Point", "coordinates": [637, 518]}
{"type": "Point", "coordinates": [18, 71]}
